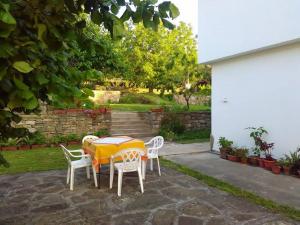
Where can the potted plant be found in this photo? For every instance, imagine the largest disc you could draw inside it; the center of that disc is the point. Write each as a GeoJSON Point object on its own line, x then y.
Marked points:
{"type": "Point", "coordinates": [276, 168]}
{"type": "Point", "coordinates": [294, 161]}
{"type": "Point", "coordinates": [37, 140]}
{"type": "Point", "coordinates": [56, 140]}
{"type": "Point", "coordinates": [23, 143]}
{"type": "Point", "coordinates": [267, 148]}
{"type": "Point", "coordinates": [242, 154]}
{"type": "Point", "coordinates": [10, 145]}
{"type": "Point", "coordinates": [285, 164]}
{"type": "Point", "coordinates": [256, 134]}
{"type": "Point", "coordinates": [102, 133]}
{"type": "Point", "coordinates": [225, 147]}
{"type": "Point", "coordinates": [232, 155]}
{"type": "Point", "coordinates": [72, 139]}
{"type": "Point", "coordinates": [158, 110]}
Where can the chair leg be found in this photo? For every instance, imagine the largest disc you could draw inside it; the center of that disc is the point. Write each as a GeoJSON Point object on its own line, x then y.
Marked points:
{"type": "Point", "coordinates": [151, 164]}
{"type": "Point", "coordinates": [72, 179]}
{"type": "Point", "coordinates": [88, 174]}
{"type": "Point", "coordinates": [95, 176]}
{"type": "Point", "coordinates": [68, 175]}
{"type": "Point", "coordinates": [111, 176]}
{"type": "Point", "coordinates": [144, 168]}
{"type": "Point", "coordinates": [141, 180]}
{"type": "Point", "coordinates": [120, 176]}
{"type": "Point", "coordinates": [158, 167]}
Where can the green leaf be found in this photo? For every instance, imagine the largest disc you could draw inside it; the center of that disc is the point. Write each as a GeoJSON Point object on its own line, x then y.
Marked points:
{"type": "Point", "coordinates": [114, 8]}
{"type": "Point", "coordinates": [174, 12]}
{"type": "Point", "coordinates": [20, 84]}
{"type": "Point", "coordinates": [163, 8]}
{"type": "Point", "coordinates": [26, 94]}
{"type": "Point", "coordinates": [6, 50]}
{"type": "Point", "coordinates": [118, 29]}
{"type": "Point", "coordinates": [121, 2]}
{"type": "Point", "coordinates": [137, 15]}
{"type": "Point", "coordinates": [168, 24]}
{"type": "Point", "coordinates": [3, 71]}
{"type": "Point", "coordinates": [88, 91]}
{"type": "Point", "coordinates": [96, 17]}
{"type": "Point", "coordinates": [81, 24]}
{"type": "Point", "coordinates": [42, 28]}
{"type": "Point", "coordinates": [136, 2]}
{"type": "Point", "coordinates": [126, 15]}
{"type": "Point", "coordinates": [22, 66]}
{"type": "Point", "coordinates": [71, 5]}
{"type": "Point", "coordinates": [31, 103]}
{"type": "Point", "coordinates": [42, 79]}
{"type": "Point", "coordinates": [7, 18]}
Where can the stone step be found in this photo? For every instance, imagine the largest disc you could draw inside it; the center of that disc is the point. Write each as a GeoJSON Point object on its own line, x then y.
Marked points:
{"type": "Point", "coordinates": [134, 134]}
{"type": "Point", "coordinates": [129, 119]}
{"type": "Point", "coordinates": [127, 124]}
{"type": "Point", "coordinates": [129, 115]}
{"type": "Point", "coordinates": [132, 130]}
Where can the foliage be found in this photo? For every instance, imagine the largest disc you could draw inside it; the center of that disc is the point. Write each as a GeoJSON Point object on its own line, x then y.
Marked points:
{"type": "Point", "coordinates": [168, 135]}
{"type": "Point", "coordinates": [162, 60]}
{"type": "Point", "coordinates": [172, 122]}
{"type": "Point", "coordinates": [72, 137]}
{"type": "Point", "coordinates": [256, 134]}
{"type": "Point", "coordinates": [37, 138]}
{"type": "Point", "coordinates": [39, 42]}
{"type": "Point", "coordinates": [293, 160]}
{"type": "Point", "coordinates": [224, 143]}
{"type": "Point", "coordinates": [102, 132]}
{"type": "Point", "coordinates": [242, 152]}
{"type": "Point", "coordinates": [134, 98]}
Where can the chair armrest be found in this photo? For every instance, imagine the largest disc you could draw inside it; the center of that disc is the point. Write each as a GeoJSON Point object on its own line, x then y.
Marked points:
{"type": "Point", "coordinates": [148, 143]}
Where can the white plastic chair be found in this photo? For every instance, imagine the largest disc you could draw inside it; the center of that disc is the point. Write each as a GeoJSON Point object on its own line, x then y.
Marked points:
{"type": "Point", "coordinates": [93, 137]}
{"type": "Point", "coordinates": [153, 146]}
{"type": "Point", "coordinates": [130, 162]}
{"type": "Point", "coordinates": [83, 161]}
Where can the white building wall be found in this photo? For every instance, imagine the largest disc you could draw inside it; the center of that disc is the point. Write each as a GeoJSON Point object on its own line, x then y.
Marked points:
{"type": "Point", "coordinates": [232, 27]}
{"type": "Point", "coordinates": [261, 89]}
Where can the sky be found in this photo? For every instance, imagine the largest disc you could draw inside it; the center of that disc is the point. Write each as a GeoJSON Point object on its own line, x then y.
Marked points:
{"type": "Point", "coordinates": [188, 12]}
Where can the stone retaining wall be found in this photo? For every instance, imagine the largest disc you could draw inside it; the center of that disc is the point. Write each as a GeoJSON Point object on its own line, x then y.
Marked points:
{"type": "Point", "coordinates": [57, 122]}
{"type": "Point", "coordinates": [191, 120]}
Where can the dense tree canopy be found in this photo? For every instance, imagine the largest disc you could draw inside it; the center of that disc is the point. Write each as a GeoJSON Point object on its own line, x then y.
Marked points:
{"type": "Point", "coordinates": [164, 60]}
{"type": "Point", "coordinates": [40, 49]}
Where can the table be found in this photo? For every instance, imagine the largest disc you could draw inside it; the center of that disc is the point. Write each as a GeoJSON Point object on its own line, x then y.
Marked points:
{"type": "Point", "coordinates": [101, 152]}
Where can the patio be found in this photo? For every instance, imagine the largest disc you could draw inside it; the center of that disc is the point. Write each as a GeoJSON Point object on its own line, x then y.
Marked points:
{"type": "Point", "coordinates": [173, 198]}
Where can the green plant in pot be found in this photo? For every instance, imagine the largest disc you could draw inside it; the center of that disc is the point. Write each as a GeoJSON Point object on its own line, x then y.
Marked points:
{"type": "Point", "coordinates": [232, 155]}
{"type": "Point", "coordinates": [225, 147]}
{"type": "Point", "coordinates": [10, 144]}
{"type": "Point", "coordinates": [23, 143]}
{"type": "Point", "coordinates": [37, 140]}
{"type": "Point", "coordinates": [72, 139]}
{"type": "Point", "coordinates": [293, 160]}
{"type": "Point", "coordinates": [285, 165]}
{"type": "Point", "coordinates": [242, 154]}
{"type": "Point", "coordinates": [267, 148]}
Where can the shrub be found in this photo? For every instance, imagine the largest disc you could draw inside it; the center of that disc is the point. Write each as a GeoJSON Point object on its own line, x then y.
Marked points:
{"type": "Point", "coordinates": [171, 122]}
{"type": "Point", "coordinates": [224, 143]}
{"type": "Point", "coordinates": [102, 132]}
{"type": "Point", "coordinates": [37, 138]}
{"type": "Point", "coordinates": [134, 99]}
{"type": "Point", "coordinates": [72, 137]}
{"type": "Point", "coordinates": [167, 134]}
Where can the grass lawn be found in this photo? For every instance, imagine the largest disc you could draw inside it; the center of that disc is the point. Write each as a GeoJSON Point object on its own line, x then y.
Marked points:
{"type": "Point", "coordinates": [148, 107]}
{"type": "Point", "coordinates": [35, 160]}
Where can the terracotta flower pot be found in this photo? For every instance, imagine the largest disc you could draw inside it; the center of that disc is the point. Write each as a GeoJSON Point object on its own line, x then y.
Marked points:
{"type": "Point", "coordinates": [223, 153]}
{"type": "Point", "coordinates": [157, 110]}
{"type": "Point", "coordinates": [38, 146]}
{"type": "Point", "coordinates": [269, 164]}
{"type": "Point", "coordinates": [261, 162]}
{"type": "Point", "coordinates": [24, 147]}
{"type": "Point", "coordinates": [9, 148]}
{"type": "Point", "coordinates": [232, 158]}
{"type": "Point", "coordinates": [276, 169]}
{"type": "Point", "coordinates": [253, 160]}
{"type": "Point", "coordinates": [244, 160]}
{"type": "Point", "coordinates": [286, 170]}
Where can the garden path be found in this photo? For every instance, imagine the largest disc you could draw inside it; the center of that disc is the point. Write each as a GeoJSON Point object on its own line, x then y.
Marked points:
{"type": "Point", "coordinates": [174, 198]}
{"type": "Point", "coordinates": [279, 188]}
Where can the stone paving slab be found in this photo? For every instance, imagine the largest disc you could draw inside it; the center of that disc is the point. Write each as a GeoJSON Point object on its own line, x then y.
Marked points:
{"type": "Point", "coordinates": [279, 188]}
{"type": "Point", "coordinates": [42, 198]}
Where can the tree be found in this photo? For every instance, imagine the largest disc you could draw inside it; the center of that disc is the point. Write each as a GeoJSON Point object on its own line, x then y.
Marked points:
{"type": "Point", "coordinates": [38, 39]}
{"type": "Point", "coordinates": [160, 59]}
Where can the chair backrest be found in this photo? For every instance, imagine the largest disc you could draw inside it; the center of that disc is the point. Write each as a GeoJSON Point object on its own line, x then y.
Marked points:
{"type": "Point", "coordinates": [66, 153]}
{"type": "Point", "coordinates": [93, 137]}
{"type": "Point", "coordinates": [157, 142]}
{"type": "Point", "coordinates": [131, 158]}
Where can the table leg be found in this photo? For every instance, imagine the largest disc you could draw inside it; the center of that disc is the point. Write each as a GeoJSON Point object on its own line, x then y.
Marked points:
{"type": "Point", "coordinates": [99, 176]}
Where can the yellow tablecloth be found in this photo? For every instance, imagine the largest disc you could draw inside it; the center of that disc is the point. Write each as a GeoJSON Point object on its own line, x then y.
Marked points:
{"type": "Point", "coordinates": [101, 153]}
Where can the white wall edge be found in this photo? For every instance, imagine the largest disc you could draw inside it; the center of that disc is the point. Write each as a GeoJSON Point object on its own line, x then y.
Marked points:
{"type": "Point", "coordinates": [292, 41]}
